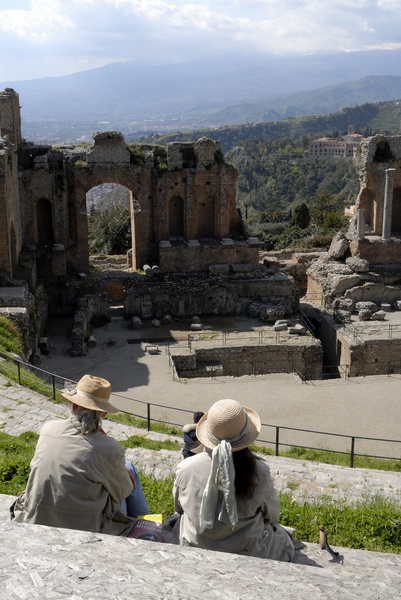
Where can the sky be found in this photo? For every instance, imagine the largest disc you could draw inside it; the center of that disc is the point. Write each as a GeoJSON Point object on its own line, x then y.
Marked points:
{"type": "Point", "coordinates": [46, 38]}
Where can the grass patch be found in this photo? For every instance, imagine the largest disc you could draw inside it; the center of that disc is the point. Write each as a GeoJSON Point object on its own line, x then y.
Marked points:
{"type": "Point", "coordinates": [10, 337]}
{"type": "Point", "coordinates": [138, 441]}
{"type": "Point", "coordinates": [15, 456]}
{"type": "Point", "coordinates": [29, 380]}
{"type": "Point", "coordinates": [127, 419]}
{"type": "Point", "coordinates": [335, 458]}
{"type": "Point", "coordinates": [159, 494]}
{"type": "Point", "coordinates": [373, 524]}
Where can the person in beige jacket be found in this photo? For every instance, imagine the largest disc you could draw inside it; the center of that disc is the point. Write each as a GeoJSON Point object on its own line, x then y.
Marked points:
{"type": "Point", "coordinates": [225, 495]}
{"type": "Point", "coordinates": [78, 475]}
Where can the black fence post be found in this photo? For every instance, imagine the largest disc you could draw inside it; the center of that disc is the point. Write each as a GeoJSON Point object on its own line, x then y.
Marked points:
{"type": "Point", "coordinates": [148, 407]}
{"type": "Point", "coordinates": [352, 452]}
{"type": "Point", "coordinates": [54, 387]}
{"type": "Point", "coordinates": [19, 372]}
{"type": "Point", "coordinates": [277, 439]}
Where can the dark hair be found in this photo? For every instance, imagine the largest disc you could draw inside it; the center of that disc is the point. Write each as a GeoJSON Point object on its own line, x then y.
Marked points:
{"type": "Point", "coordinates": [245, 473]}
{"type": "Point", "coordinates": [197, 416]}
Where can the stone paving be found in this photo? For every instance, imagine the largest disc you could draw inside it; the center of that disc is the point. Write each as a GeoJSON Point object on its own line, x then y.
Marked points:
{"type": "Point", "coordinates": [42, 562]}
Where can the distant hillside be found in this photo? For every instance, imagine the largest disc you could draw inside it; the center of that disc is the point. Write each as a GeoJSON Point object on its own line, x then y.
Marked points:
{"type": "Point", "coordinates": [314, 102]}
{"type": "Point", "coordinates": [134, 97]}
{"type": "Point", "coordinates": [368, 119]}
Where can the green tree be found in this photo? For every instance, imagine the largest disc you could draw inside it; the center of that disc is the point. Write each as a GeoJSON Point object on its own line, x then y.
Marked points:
{"type": "Point", "coordinates": [300, 217]}
{"type": "Point", "coordinates": [109, 224]}
{"type": "Point", "coordinates": [323, 203]}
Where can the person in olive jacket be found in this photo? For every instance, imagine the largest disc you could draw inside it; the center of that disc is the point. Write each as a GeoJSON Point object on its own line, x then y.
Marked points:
{"type": "Point", "coordinates": [79, 478]}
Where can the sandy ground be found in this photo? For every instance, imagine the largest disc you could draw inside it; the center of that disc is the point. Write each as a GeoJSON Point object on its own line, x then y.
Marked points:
{"type": "Point", "coordinates": [367, 406]}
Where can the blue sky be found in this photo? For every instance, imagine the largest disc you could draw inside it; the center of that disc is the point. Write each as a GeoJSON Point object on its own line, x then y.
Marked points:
{"type": "Point", "coordinates": [40, 38]}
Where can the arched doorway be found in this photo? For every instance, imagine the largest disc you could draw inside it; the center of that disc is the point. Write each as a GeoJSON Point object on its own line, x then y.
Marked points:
{"type": "Point", "coordinates": [108, 208]}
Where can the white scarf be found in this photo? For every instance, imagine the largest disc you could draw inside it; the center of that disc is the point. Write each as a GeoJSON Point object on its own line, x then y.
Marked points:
{"type": "Point", "coordinates": [221, 478]}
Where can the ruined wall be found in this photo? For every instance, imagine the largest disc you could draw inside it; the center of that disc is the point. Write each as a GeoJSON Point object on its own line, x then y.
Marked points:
{"type": "Point", "coordinates": [212, 295]}
{"type": "Point", "coordinates": [181, 194]}
{"type": "Point", "coordinates": [376, 154]}
{"type": "Point", "coordinates": [10, 116]}
{"type": "Point", "coordinates": [195, 256]}
{"type": "Point", "coordinates": [377, 251]}
{"type": "Point", "coordinates": [371, 357]}
{"type": "Point", "coordinates": [304, 358]}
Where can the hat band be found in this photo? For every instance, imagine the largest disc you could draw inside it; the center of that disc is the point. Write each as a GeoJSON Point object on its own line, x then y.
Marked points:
{"type": "Point", "coordinates": [85, 395]}
{"type": "Point", "coordinates": [237, 438]}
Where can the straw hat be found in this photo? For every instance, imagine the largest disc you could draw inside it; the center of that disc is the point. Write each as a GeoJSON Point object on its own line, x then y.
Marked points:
{"type": "Point", "coordinates": [93, 393]}
{"type": "Point", "coordinates": [228, 420]}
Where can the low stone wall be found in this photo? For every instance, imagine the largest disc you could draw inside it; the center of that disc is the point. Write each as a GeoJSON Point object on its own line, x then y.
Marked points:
{"type": "Point", "coordinates": [377, 251]}
{"type": "Point", "coordinates": [200, 257]}
{"type": "Point", "coordinates": [208, 295]}
{"type": "Point", "coordinates": [370, 357]}
{"type": "Point", "coordinates": [304, 358]}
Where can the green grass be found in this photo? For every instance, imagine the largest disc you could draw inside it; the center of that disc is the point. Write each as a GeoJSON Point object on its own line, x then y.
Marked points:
{"type": "Point", "coordinates": [373, 524]}
{"type": "Point", "coordinates": [333, 458]}
{"type": "Point", "coordinates": [15, 457]}
{"type": "Point", "coordinates": [143, 424]}
{"type": "Point", "coordinates": [138, 441]}
{"type": "Point", "coordinates": [10, 337]}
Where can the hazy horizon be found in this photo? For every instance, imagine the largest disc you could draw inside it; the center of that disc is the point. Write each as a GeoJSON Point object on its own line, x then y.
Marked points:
{"type": "Point", "coordinates": [47, 38]}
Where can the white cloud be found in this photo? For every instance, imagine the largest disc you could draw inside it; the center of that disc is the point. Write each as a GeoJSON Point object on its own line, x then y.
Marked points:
{"type": "Point", "coordinates": [40, 37]}
{"type": "Point", "coordinates": [40, 23]}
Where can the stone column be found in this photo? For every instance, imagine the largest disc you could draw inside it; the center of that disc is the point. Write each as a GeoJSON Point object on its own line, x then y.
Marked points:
{"type": "Point", "coordinates": [361, 224]}
{"type": "Point", "coordinates": [388, 204]}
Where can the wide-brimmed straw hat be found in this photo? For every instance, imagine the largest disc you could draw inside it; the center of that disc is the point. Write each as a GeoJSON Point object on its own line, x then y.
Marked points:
{"type": "Point", "coordinates": [93, 393]}
{"type": "Point", "coordinates": [228, 420]}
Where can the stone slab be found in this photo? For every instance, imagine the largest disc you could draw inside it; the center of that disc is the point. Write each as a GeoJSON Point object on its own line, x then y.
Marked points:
{"type": "Point", "coordinates": [45, 562]}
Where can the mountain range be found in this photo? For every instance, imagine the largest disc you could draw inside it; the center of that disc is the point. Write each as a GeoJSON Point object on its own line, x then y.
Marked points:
{"type": "Point", "coordinates": [136, 98]}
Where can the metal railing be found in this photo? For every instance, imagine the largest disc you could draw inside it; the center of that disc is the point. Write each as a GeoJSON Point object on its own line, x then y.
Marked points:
{"type": "Point", "coordinates": [150, 412]}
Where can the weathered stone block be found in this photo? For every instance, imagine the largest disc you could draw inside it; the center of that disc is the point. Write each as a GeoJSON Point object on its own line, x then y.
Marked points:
{"type": "Point", "coordinates": [136, 323]}
{"type": "Point", "coordinates": [297, 329]}
{"type": "Point", "coordinates": [379, 315]}
{"type": "Point", "coordinates": [219, 268]}
{"type": "Point", "coordinates": [359, 265]}
{"type": "Point", "coordinates": [339, 245]}
{"type": "Point", "coordinates": [153, 349]}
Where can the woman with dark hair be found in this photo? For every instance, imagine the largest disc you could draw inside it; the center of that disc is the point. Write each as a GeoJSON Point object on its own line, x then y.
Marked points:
{"type": "Point", "coordinates": [225, 495]}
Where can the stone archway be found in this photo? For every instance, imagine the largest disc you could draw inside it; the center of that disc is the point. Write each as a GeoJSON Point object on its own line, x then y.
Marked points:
{"type": "Point", "coordinates": [108, 208]}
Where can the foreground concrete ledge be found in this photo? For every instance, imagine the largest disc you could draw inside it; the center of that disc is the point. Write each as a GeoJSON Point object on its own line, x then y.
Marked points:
{"type": "Point", "coordinates": [45, 562]}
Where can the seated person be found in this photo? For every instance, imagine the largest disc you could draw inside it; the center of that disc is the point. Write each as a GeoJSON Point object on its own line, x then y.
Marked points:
{"type": "Point", "coordinates": [78, 474]}
{"type": "Point", "coordinates": [190, 439]}
{"type": "Point", "coordinates": [225, 495]}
